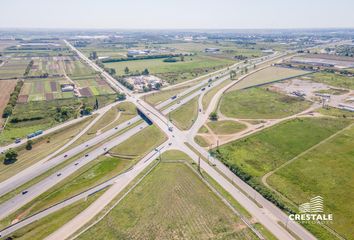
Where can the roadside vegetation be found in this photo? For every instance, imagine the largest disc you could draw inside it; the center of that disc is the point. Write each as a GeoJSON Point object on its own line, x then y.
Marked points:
{"type": "Point", "coordinates": [185, 115]}
{"type": "Point", "coordinates": [139, 145]}
{"type": "Point", "coordinates": [260, 103]}
{"type": "Point", "coordinates": [225, 127]}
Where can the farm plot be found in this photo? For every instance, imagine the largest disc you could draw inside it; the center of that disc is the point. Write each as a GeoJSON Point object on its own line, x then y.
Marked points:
{"type": "Point", "coordinates": [39, 89]}
{"type": "Point", "coordinates": [172, 202]}
{"type": "Point", "coordinates": [74, 68]}
{"type": "Point", "coordinates": [14, 68]}
{"type": "Point", "coordinates": [6, 88]}
{"type": "Point", "coordinates": [93, 86]}
{"type": "Point", "coordinates": [45, 65]}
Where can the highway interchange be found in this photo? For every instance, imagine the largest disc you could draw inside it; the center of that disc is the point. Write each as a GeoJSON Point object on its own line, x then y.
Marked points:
{"type": "Point", "coordinates": [268, 215]}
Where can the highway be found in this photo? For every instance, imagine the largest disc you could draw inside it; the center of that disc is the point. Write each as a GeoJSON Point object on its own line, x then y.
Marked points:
{"type": "Point", "coordinates": [267, 216]}
{"type": "Point", "coordinates": [45, 164]}
{"type": "Point", "coordinates": [264, 215]}
{"type": "Point", "coordinates": [35, 190]}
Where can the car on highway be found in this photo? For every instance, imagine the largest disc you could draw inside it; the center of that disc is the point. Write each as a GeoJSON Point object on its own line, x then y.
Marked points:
{"type": "Point", "coordinates": [170, 129]}
{"type": "Point", "coordinates": [169, 144]}
{"type": "Point", "coordinates": [76, 164]}
{"type": "Point", "coordinates": [59, 174]}
{"type": "Point", "coordinates": [86, 155]}
{"type": "Point", "coordinates": [24, 192]}
{"type": "Point", "coordinates": [116, 128]}
{"type": "Point", "coordinates": [203, 89]}
{"type": "Point", "coordinates": [86, 145]}
{"type": "Point", "coordinates": [65, 155]}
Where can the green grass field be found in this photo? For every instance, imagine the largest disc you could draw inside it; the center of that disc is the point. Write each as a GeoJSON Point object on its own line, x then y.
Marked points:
{"type": "Point", "coordinates": [259, 103]}
{"type": "Point", "coordinates": [262, 152]}
{"type": "Point", "coordinates": [137, 146]}
{"type": "Point", "coordinates": [170, 203]}
{"type": "Point", "coordinates": [327, 171]}
{"type": "Point", "coordinates": [332, 79]}
{"type": "Point", "coordinates": [185, 115]}
{"type": "Point", "coordinates": [267, 75]}
{"type": "Point", "coordinates": [225, 127]}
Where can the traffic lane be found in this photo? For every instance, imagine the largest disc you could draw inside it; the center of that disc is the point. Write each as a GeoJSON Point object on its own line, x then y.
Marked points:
{"type": "Point", "coordinates": [16, 181]}
{"type": "Point", "coordinates": [27, 195]}
{"type": "Point", "coordinates": [145, 161]}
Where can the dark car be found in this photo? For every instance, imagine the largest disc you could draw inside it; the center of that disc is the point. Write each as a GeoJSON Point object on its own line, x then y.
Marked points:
{"type": "Point", "coordinates": [65, 155]}
{"type": "Point", "coordinates": [24, 192]}
{"type": "Point", "coordinates": [59, 174]}
{"type": "Point", "coordinates": [86, 155]}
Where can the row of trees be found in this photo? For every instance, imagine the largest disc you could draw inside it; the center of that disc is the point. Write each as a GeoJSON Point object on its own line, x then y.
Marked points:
{"type": "Point", "coordinates": [252, 181]}
{"type": "Point", "coordinates": [28, 68]}
{"type": "Point", "coordinates": [13, 99]}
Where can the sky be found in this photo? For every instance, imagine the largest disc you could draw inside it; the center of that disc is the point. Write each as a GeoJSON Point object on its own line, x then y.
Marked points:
{"type": "Point", "coordinates": [177, 14]}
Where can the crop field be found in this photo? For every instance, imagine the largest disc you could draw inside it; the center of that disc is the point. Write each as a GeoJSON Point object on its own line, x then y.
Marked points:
{"type": "Point", "coordinates": [39, 89]}
{"type": "Point", "coordinates": [326, 170]}
{"type": "Point", "coordinates": [93, 86]}
{"type": "Point", "coordinates": [175, 72]}
{"type": "Point", "coordinates": [6, 88]}
{"type": "Point", "coordinates": [332, 79]}
{"type": "Point", "coordinates": [225, 127]}
{"type": "Point", "coordinates": [185, 115]}
{"type": "Point", "coordinates": [267, 75]}
{"type": "Point", "coordinates": [260, 103]}
{"type": "Point", "coordinates": [14, 68]}
{"type": "Point", "coordinates": [172, 202]}
{"type": "Point", "coordinates": [262, 152]}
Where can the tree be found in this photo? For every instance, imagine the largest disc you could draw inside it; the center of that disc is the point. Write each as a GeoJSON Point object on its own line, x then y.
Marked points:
{"type": "Point", "coordinates": [93, 55]}
{"type": "Point", "coordinates": [126, 70]}
{"type": "Point", "coordinates": [213, 116]}
{"type": "Point", "coordinates": [121, 96]}
{"type": "Point", "coordinates": [246, 70]}
{"type": "Point", "coordinates": [157, 86]}
{"type": "Point", "coordinates": [182, 58]}
{"type": "Point", "coordinates": [29, 145]}
{"type": "Point", "coordinates": [232, 74]}
{"type": "Point", "coordinates": [96, 104]}
{"type": "Point", "coordinates": [10, 156]}
{"type": "Point", "coordinates": [146, 72]}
